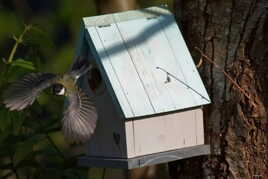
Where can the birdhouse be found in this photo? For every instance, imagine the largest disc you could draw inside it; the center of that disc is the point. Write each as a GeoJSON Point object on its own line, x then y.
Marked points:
{"type": "Point", "coordinates": [146, 88]}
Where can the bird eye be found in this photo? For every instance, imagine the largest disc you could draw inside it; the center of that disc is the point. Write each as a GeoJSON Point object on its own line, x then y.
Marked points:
{"type": "Point", "coordinates": [56, 89]}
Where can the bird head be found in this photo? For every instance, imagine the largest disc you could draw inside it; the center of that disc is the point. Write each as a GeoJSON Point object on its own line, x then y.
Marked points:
{"type": "Point", "coordinates": [58, 89]}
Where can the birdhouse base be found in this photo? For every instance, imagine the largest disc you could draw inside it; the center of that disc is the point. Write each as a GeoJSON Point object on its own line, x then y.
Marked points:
{"type": "Point", "coordinates": [146, 160]}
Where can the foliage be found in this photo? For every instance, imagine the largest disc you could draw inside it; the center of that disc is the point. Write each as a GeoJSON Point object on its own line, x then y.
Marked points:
{"type": "Point", "coordinates": [27, 148]}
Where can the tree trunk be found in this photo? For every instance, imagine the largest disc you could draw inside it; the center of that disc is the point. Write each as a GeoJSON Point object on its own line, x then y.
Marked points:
{"type": "Point", "coordinates": [232, 33]}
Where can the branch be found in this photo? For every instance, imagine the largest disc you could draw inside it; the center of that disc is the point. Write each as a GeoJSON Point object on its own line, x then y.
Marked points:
{"type": "Point", "coordinates": [18, 41]}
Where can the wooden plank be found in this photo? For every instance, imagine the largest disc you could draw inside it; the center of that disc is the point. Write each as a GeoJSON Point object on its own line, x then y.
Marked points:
{"type": "Point", "coordinates": [155, 140]}
{"type": "Point", "coordinates": [130, 139]}
{"type": "Point", "coordinates": [130, 55]}
{"type": "Point", "coordinates": [150, 49]}
{"type": "Point", "coordinates": [103, 20]}
{"type": "Point", "coordinates": [176, 127]}
{"type": "Point", "coordinates": [164, 58]}
{"type": "Point", "coordinates": [167, 132]}
{"type": "Point", "coordinates": [145, 160]}
{"type": "Point", "coordinates": [135, 38]}
{"type": "Point", "coordinates": [200, 138]}
{"type": "Point", "coordinates": [109, 139]}
{"type": "Point", "coordinates": [188, 131]}
{"type": "Point", "coordinates": [184, 59]}
{"type": "Point", "coordinates": [113, 80]}
{"type": "Point", "coordinates": [172, 155]}
{"type": "Point", "coordinates": [125, 71]}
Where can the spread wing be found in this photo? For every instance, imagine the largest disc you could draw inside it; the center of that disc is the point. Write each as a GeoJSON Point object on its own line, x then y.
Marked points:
{"type": "Point", "coordinates": [23, 92]}
{"type": "Point", "coordinates": [80, 117]}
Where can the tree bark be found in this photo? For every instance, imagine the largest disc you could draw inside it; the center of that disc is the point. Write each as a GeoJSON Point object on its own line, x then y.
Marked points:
{"type": "Point", "coordinates": [232, 33]}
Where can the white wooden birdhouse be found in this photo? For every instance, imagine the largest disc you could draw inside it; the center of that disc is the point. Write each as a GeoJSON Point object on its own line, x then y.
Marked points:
{"type": "Point", "coordinates": [146, 88]}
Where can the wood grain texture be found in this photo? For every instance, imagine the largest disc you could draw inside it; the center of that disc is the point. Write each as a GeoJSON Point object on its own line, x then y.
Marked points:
{"type": "Point", "coordinates": [166, 132]}
{"type": "Point", "coordinates": [184, 59]}
{"type": "Point", "coordinates": [109, 72]}
{"type": "Point", "coordinates": [153, 52]}
{"type": "Point", "coordinates": [145, 60]}
{"type": "Point", "coordinates": [200, 138]}
{"type": "Point", "coordinates": [125, 71]}
{"type": "Point", "coordinates": [106, 19]}
{"type": "Point", "coordinates": [130, 138]}
{"type": "Point", "coordinates": [145, 160]}
{"type": "Point", "coordinates": [130, 53]}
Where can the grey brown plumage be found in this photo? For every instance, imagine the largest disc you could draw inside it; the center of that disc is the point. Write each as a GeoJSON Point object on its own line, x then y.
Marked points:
{"type": "Point", "coordinates": [23, 93]}
{"type": "Point", "coordinates": [80, 116]}
{"type": "Point", "coordinates": [76, 121]}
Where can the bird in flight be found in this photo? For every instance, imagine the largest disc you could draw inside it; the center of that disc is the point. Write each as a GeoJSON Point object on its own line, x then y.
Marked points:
{"type": "Point", "coordinates": [79, 116]}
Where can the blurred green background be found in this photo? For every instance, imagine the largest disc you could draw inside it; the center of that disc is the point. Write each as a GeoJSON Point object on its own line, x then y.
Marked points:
{"type": "Point", "coordinates": [31, 144]}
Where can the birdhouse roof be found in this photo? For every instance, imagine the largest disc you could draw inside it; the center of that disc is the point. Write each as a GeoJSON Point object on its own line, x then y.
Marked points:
{"type": "Point", "coordinates": [145, 62]}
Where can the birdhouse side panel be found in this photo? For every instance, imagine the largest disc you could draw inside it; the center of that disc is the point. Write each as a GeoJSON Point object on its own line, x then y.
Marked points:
{"type": "Point", "coordinates": [109, 138]}
{"type": "Point", "coordinates": [166, 132]}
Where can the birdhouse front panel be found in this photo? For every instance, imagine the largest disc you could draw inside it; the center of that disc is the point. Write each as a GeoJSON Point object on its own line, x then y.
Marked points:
{"type": "Point", "coordinates": [164, 132]}
{"type": "Point", "coordinates": [147, 62]}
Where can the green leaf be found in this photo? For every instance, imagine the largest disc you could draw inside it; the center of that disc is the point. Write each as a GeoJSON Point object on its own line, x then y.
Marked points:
{"type": "Point", "coordinates": [24, 64]}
